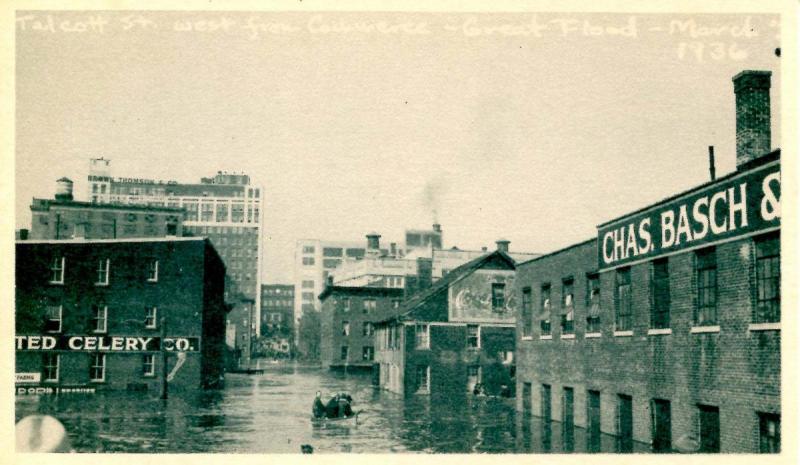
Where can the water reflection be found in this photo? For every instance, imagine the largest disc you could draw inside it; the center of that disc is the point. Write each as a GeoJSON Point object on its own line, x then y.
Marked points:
{"type": "Point", "coordinates": [270, 413]}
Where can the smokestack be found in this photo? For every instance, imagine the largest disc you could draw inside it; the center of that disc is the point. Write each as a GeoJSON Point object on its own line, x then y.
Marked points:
{"type": "Point", "coordinates": [484, 248]}
{"type": "Point", "coordinates": [393, 249]}
{"type": "Point", "coordinates": [437, 227]}
{"type": "Point", "coordinates": [373, 244]}
{"type": "Point", "coordinates": [64, 189]}
{"type": "Point", "coordinates": [753, 136]}
{"type": "Point", "coordinates": [711, 169]}
{"type": "Point", "coordinates": [502, 245]}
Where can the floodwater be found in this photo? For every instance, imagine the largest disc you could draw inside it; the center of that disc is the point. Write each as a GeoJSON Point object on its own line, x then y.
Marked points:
{"type": "Point", "coordinates": [270, 413]}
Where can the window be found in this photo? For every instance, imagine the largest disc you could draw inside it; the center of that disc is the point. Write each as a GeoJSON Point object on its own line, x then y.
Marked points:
{"type": "Point", "coordinates": [50, 367]}
{"type": "Point", "coordinates": [308, 296]}
{"type": "Point", "coordinates": [473, 377]}
{"type": "Point", "coordinates": [661, 412]}
{"type": "Point", "coordinates": [624, 423]}
{"type": "Point", "coordinates": [568, 406]}
{"type": "Point", "coordinates": [545, 305]}
{"type": "Point", "coordinates": [308, 261]}
{"type": "Point", "coordinates": [52, 318]}
{"type": "Point", "coordinates": [148, 365]}
{"type": "Point", "coordinates": [367, 353]}
{"type": "Point", "coordinates": [567, 303]}
{"type": "Point", "coordinates": [369, 305]}
{"type": "Point", "coordinates": [150, 317]}
{"type": "Point", "coordinates": [57, 270]}
{"type": "Point", "coordinates": [99, 318]}
{"type": "Point", "coordinates": [308, 284]}
{"type": "Point", "coordinates": [152, 271]}
{"type": "Point", "coordinates": [769, 433]}
{"type": "Point", "coordinates": [624, 315]}
{"type": "Point", "coordinates": [345, 328]}
{"type": "Point", "coordinates": [330, 263]}
{"type": "Point", "coordinates": [709, 428]}
{"type": "Point", "coordinates": [222, 212]}
{"type": "Point", "coordinates": [593, 303]}
{"type": "Point", "coordinates": [660, 299]}
{"type": "Point", "coordinates": [706, 272]}
{"type": "Point", "coordinates": [498, 297]}
{"type": "Point", "coordinates": [97, 367]}
{"type": "Point", "coordinates": [102, 272]}
{"type": "Point", "coordinates": [355, 253]}
{"type": "Point", "coordinates": [308, 249]}
{"type": "Point", "coordinates": [367, 329]}
{"type": "Point", "coordinates": [346, 304]}
{"type": "Point", "coordinates": [473, 336]}
{"type": "Point", "coordinates": [332, 252]}
{"type": "Point", "coordinates": [422, 336]}
{"type": "Point", "coordinates": [527, 313]}
{"type": "Point", "coordinates": [237, 212]}
{"type": "Point", "coordinates": [423, 379]}
{"type": "Point", "coordinates": [768, 279]}
{"type": "Point", "coordinates": [593, 421]}
{"type": "Point", "coordinates": [172, 229]}
{"type": "Point", "coordinates": [546, 412]}
{"type": "Point", "coordinates": [345, 352]}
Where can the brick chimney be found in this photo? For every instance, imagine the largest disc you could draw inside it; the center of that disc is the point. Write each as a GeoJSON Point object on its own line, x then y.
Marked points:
{"type": "Point", "coordinates": [753, 136]}
{"type": "Point", "coordinates": [502, 245]}
{"type": "Point", "coordinates": [373, 244]}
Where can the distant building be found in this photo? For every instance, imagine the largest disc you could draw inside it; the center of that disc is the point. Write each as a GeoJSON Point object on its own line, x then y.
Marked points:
{"type": "Point", "coordinates": [347, 323]}
{"type": "Point", "coordinates": [277, 310]}
{"type": "Point", "coordinates": [454, 335]}
{"type": "Point", "coordinates": [665, 329]}
{"type": "Point", "coordinates": [92, 315]}
{"type": "Point", "coordinates": [66, 218]}
{"type": "Point", "coordinates": [225, 208]}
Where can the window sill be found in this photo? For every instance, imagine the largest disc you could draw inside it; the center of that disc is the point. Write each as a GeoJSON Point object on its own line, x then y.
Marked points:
{"type": "Point", "coordinates": [101, 284]}
{"type": "Point", "coordinates": [592, 335]}
{"type": "Point", "coordinates": [704, 329]}
{"type": "Point", "coordinates": [56, 283]}
{"type": "Point", "coordinates": [546, 338]}
{"type": "Point", "coordinates": [567, 336]}
{"type": "Point", "coordinates": [623, 333]}
{"type": "Point", "coordinates": [527, 338]}
{"type": "Point", "coordinates": [765, 326]}
{"type": "Point", "coordinates": [659, 331]}
{"type": "Point", "coordinates": [152, 280]}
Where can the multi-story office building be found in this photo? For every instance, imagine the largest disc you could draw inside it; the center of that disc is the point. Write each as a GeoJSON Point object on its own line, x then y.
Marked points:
{"type": "Point", "coordinates": [225, 208]}
{"type": "Point", "coordinates": [665, 330]}
{"type": "Point", "coordinates": [66, 218]}
{"type": "Point", "coordinates": [105, 314]}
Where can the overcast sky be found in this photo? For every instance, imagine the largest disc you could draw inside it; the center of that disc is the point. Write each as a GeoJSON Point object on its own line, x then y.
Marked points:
{"type": "Point", "coordinates": [536, 135]}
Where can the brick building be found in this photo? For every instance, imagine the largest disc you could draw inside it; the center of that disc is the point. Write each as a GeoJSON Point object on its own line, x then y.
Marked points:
{"type": "Point", "coordinates": [347, 323]}
{"type": "Point", "coordinates": [66, 218]}
{"type": "Point", "coordinates": [95, 315]}
{"type": "Point", "coordinates": [664, 331]}
{"type": "Point", "coordinates": [455, 334]}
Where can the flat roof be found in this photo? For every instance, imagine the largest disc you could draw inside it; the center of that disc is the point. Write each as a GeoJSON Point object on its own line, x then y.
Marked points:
{"type": "Point", "coordinates": [111, 241]}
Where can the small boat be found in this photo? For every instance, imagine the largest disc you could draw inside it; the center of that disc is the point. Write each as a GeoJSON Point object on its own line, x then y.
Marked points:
{"type": "Point", "coordinates": [325, 420]}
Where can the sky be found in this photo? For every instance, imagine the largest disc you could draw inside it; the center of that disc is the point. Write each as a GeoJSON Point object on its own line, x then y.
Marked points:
{"type": "Point", "coordinates": [524, 126]}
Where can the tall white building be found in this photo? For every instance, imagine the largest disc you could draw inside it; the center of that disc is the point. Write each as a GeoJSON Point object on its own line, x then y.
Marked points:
{"type": "Point", "coordinates": [226, 208]}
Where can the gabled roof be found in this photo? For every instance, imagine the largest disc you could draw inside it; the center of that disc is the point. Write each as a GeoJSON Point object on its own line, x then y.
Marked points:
{"type": "Point", "coordinates": [453, 276]}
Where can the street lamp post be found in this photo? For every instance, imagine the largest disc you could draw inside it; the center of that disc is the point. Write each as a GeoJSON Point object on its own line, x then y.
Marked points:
{"type": "Point", "coordinates": [164, 382]}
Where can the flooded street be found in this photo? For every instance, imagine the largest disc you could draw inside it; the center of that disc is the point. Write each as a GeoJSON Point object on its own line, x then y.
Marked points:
{"type": "Point", "coordinates": [270, 413]}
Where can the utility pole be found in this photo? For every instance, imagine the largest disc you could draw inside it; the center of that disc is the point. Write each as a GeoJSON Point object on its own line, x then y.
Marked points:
{"type": "Point", "coordinates": [164, 385]}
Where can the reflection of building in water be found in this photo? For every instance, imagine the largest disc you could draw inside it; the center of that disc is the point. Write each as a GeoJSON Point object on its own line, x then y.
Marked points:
{"type": "Point", "coordinates": [226, 209]}
{"type": "Point", "coordinates": [454, 335]}
{"type": "Point", "coordinates": [92, 314]}
{"type": "Point", "coordinates": [667, 326]}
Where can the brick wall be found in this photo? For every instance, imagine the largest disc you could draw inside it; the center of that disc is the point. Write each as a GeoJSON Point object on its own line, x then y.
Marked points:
{"type": "Point", "coordinates": [735, 369]}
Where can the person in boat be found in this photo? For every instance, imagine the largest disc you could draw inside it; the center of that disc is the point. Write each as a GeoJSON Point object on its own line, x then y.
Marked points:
{"type": "Point", "coordinates": [332, 407]}
{"type": "Point", "coordinates": [318, 409]}
{"type": "Point", "coordinates": [345, 407]}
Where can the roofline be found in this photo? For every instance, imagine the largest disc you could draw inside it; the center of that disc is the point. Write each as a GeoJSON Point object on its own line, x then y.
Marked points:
{"type": "Point", "coordinates": [359, 289]}
{"type": "Point", "coordinates": [114, 206]}
{"type": "Point", "coordinates": [753, 165]}
{"type": "Point", "coordinates": [558, 251]}
{"type": "Point", "coordinates": [112, 241]}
